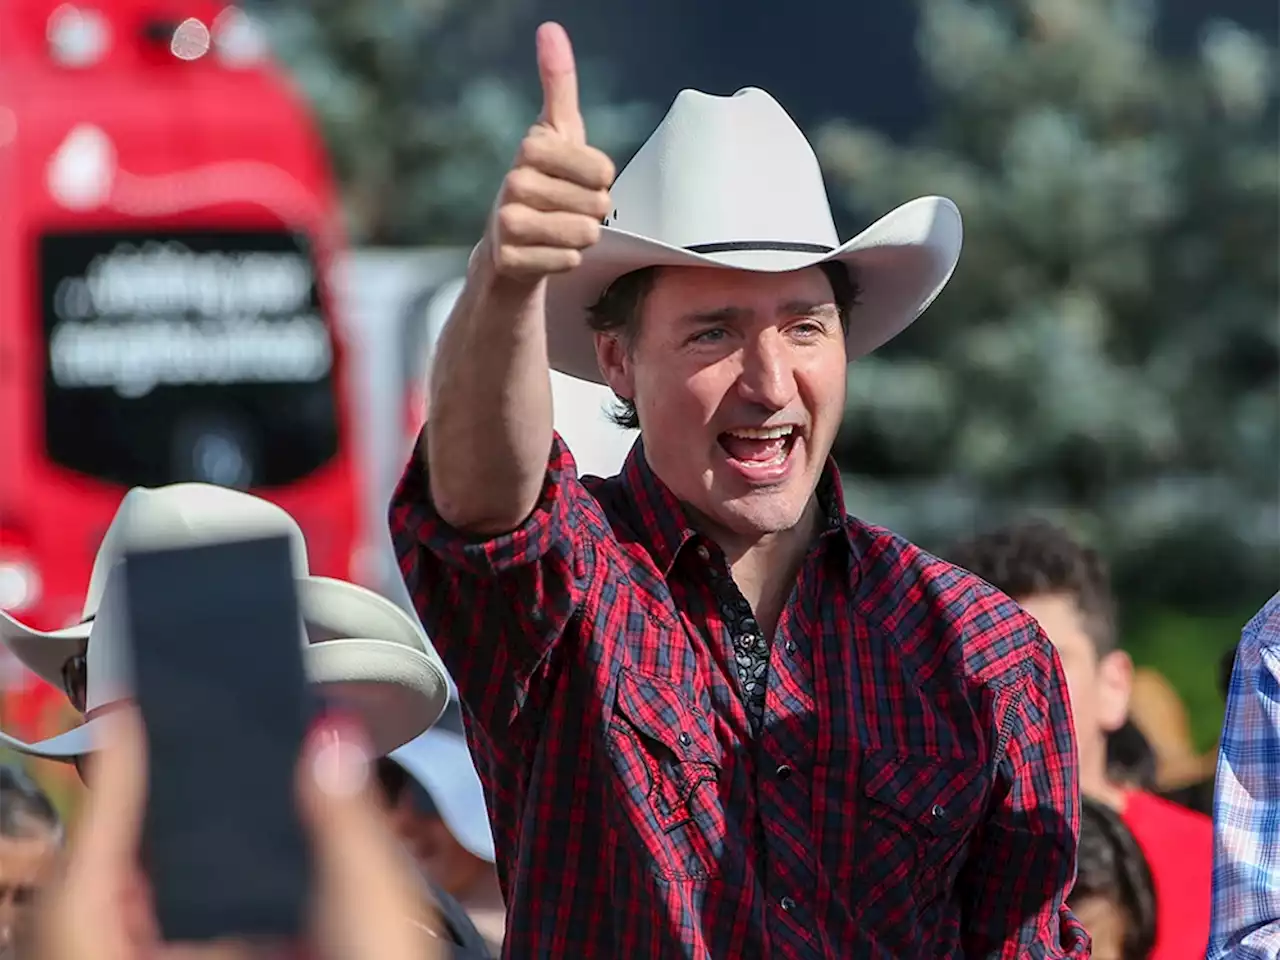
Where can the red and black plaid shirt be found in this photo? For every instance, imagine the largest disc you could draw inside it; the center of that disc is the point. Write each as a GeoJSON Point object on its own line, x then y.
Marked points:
{"type": "Point", "coordinates": [911, 792]}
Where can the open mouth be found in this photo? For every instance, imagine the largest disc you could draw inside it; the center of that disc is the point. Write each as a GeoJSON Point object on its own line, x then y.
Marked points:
{"type": "Point", "coordinates": [759, 447]}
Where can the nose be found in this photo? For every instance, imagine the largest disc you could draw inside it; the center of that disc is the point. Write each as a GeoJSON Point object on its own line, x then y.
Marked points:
{"type": "Point", "coordinates": [767, 377]}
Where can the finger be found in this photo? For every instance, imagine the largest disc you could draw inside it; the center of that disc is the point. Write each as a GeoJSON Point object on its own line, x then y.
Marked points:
{"type": "Point", "coordinates": [534, 262]}
{"type": "Point", "coordinates": [581, 165]}
{"type": "Point", "coordinates": [559, 75]}
{"type": "Point", "coordinates": [534, 228]}
{"type": "Point", "coordinates": [108, 837]}
{"type": "Point", "coordinates": [370, 898]}
{"type": "Point", "coordinates": [535, 189]}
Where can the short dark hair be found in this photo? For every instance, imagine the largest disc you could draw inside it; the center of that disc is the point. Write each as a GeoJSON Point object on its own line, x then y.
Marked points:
{"type": "Point", "coordinates": [618, 311]}
{"type": "Point", "coordinates": [1034, 558]}
{"type": "Point", "coordinates": [1130, 758]}
{"type": "Point", "coordinates": [1110, 866]}
{"type": "Point", "coordinates": [25, 809]}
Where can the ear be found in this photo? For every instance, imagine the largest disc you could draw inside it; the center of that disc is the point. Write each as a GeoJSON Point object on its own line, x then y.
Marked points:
{"type": "Point", "coordinates": [614, 361]}
{"type": "Point", "coordinates": [1115, 684]}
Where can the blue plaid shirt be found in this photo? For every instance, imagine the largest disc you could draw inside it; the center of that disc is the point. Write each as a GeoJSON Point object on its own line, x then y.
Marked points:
{"type": "Point", "coordinates": [1246, 806]}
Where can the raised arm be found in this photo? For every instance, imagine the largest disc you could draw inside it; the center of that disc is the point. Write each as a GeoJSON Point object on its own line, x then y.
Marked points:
{"type": "Point", "coordinates": [491, 419]}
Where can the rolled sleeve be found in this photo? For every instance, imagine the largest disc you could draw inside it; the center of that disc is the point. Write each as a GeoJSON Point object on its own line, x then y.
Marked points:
{"type": "Point", "coordinates": [497, 608]}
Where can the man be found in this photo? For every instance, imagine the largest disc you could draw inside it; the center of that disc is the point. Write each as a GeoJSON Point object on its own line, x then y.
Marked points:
{"type": "Point", "coordinates": [437, 806]}
{"type": "Point", "coordinates": [1067, 588]}
{"type": "Point", "coordinates": [30, 835]}
{"type": "Point", "coordinates": [714, 714]}
{"type": "Point", "coordinates": [1246, 809]}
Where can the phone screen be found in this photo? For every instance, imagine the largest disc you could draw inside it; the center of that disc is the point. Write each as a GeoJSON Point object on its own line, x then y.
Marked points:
{"type": "Point", "coordinates": [220, 681]}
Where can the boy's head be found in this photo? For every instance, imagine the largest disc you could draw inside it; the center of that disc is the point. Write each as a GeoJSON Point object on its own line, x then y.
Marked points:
{"type": "Point", "coordinates": [1113, 895]}
{"type": "Point", "coordinates": [1067, 588]}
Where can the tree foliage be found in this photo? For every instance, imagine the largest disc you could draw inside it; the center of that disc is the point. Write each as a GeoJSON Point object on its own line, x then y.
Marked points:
{"type": "Point", "coordinates": [1107, 351]}
{"type": "Point", "coordinates": [420, 110]}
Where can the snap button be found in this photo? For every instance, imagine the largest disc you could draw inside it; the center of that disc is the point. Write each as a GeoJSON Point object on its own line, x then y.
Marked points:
{"type": "Point", "coordinates": [937, 811]}
{"type": "Point", "coordinates": [685, 740]}
{"type": "Point", "coordinates": [790, 646]}
{"type": "Point", "coordinates": [788, 904]}
{"type": "Point", "coordinates": [704, 553]}
{"type": "Point", "coordinates": [783, 772]}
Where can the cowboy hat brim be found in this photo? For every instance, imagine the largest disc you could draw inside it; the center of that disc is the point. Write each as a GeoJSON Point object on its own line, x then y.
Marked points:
{"type": "Point", "coordinates": [364, 650]}
{"type": "Point", "coordinates": [396, 692]}
{"type": "Point", "coordinates": [902, 262]}
{"type": "Point", "coordinates": [331, 609]}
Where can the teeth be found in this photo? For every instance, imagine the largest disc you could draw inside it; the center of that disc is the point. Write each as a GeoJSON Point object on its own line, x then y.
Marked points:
{"type": "Point", "coordinates": [761, 433]}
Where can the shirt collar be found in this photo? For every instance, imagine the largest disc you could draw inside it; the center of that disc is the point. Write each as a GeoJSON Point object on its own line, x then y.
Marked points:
{"type": "Point", "coordinates": [664, 524]}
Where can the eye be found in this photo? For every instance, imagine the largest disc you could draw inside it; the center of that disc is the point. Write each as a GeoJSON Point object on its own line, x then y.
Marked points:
{"type": "Point", "coordinates": [808, 329]}
{"type": "Point", "coordinates": [714, 335]}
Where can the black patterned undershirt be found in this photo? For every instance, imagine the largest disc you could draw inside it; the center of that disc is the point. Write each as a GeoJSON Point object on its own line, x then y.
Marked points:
{"type": "Point", "coordinates": [751, 648]}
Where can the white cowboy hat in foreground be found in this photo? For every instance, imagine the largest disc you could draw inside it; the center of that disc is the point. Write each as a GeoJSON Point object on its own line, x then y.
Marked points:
{"type": "Point", "coordinates": [361, 649]}
{"type": "Point", "coordinates": [732, 182]}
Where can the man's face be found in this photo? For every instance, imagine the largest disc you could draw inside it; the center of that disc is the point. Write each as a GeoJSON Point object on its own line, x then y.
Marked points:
{"type": "Point", "coordinates": [1098, 687]}
{"type": "Point", "coordinates": [738, 379]}
{"type": "Point", "coordinates": [24, 866]}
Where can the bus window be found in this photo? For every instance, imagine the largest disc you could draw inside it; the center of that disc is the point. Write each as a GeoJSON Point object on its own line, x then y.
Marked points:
{"type": "Point", "coordinates": [185, 355]}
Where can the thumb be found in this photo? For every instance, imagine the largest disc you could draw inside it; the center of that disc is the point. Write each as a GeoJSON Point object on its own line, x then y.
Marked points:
{"type": "Point", "coordinates": [371, 901]}
{"type": "Point", "coordinates": [559, 75]}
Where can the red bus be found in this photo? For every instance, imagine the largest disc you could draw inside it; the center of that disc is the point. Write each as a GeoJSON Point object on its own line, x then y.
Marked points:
{"type": "Point", "coordinates": [168, 235]}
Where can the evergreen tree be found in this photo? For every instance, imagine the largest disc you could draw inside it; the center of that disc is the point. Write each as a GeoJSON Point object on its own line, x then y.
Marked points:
{"type": "Point", "coordinates": [420, 111]}
{"type": "Point", "coordinates": [1107, 351]}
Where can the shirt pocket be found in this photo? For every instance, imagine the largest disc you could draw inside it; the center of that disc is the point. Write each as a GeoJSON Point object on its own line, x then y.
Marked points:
{"type": "Point", "coordinates": [918, 814]}
{"type": "Point", "coordinates": [667, 762]}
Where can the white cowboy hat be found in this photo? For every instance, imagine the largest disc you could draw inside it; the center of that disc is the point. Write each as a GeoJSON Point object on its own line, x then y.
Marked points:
{"type": "Point", "coordinates": [362, 649]}
{"type": "Point", "coordinates": [732, 182]}
{"type": "Point", "coordinates": [440, 762]}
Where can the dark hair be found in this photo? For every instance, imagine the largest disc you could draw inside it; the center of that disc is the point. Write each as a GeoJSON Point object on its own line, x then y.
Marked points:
{"type": "Point", "coordinates": [1130, 758]}
{"type": "Point", "coordinates": [1036, 557]}
{"type": "Point", "coordinates": [617, 312]}
{"type": "Point", "coordinates": [25, 810]}
{"type": "Point", "coordinates": [1110, 866]}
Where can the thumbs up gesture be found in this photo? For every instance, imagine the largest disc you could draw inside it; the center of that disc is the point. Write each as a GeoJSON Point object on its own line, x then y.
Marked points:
{"type": "Point", "coordinates": [557, 192]}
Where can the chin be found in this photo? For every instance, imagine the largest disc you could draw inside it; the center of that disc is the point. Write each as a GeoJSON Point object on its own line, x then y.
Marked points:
{"type": "Point", "coordinates": [761, 514]}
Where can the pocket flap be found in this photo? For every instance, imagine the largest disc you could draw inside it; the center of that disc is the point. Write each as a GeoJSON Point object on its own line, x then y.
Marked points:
{"type": "Point", "coordinates": [657, 708]}
{"type": "Point", "coordinates": [941, 795]}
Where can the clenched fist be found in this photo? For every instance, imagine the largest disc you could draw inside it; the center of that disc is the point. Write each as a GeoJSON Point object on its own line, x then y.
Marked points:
{"type": "Point", "coordinates": [556, 194]}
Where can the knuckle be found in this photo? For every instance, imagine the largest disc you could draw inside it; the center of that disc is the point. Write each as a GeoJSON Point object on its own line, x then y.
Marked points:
{"type": "Point", "coordinates": [589, 232]}
{"type": "Point", "coordinates": [572, 259]}
{"type": "Point", "coordinates": [520, 182]}
{"type": "Point", "coordinates": [604, 170]}
{"type": "Point", "coordinates": [510, 218]}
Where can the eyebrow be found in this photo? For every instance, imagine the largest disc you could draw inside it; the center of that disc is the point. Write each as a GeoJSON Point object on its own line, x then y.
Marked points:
{"type": "Point", "coordinates": [792, 308]}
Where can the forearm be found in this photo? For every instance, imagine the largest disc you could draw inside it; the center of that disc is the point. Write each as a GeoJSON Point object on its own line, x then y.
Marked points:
{"type": "Point", "coordinates": [491, 415]}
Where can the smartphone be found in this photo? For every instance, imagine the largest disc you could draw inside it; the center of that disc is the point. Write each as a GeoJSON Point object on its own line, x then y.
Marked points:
{"type": "Point", "coordinates": [216, 642]}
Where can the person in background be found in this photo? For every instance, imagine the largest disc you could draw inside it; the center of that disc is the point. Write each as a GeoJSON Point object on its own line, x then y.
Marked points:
{"type": "Point", "coordinates": [30, 836]}
{"type": "Point", "coordinates": [1246, 806]}
{"type": "Point", "coordinates": [1130, 759]}
{"type": "Point", "coordinates": [1067, 588]}
{"type": "Point", "coordinates": [437, 806]}
{"type": "Point", "coordinates": [1113, 894]}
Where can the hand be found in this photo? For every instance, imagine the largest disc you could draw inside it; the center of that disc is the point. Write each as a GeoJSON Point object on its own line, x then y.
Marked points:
{"type": "Point", "coordinates": [553, 199]}
{"type": "Point", "coordinates": [368, 904]}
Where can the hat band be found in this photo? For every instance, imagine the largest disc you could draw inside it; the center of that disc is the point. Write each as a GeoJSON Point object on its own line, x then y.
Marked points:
{"type": "Point", "coordinates": [777, 246]}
